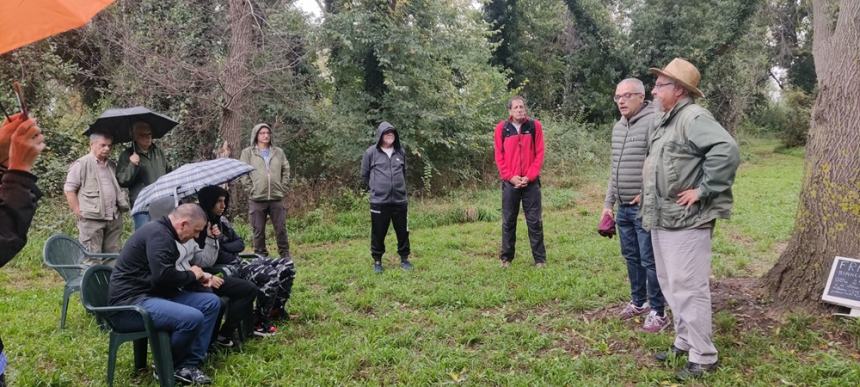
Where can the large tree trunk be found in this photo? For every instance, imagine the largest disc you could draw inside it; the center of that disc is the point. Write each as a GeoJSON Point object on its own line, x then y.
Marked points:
{"type": "Point", "coordinates": [828, 217]}
{"type": "Point", "coordinates": [237, 79]}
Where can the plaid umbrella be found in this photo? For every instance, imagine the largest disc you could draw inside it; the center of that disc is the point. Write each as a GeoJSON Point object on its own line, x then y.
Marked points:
{"type": "Point", "coordinates": [188, 179]}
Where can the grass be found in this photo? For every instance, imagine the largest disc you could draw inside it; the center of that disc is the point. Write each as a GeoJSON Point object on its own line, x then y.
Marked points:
{"type": "Point", "coordinates": [457, 318]}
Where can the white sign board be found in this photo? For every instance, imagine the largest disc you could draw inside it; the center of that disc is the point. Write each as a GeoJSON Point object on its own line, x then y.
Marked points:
{"type": "Point", "coordinates": [843, 283]}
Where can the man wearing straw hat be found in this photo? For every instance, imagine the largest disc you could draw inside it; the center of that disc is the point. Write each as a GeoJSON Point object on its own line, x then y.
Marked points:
{"type": "Point", "coordinates": [687, 179]}
{"type": "Point", "coordinates": [140, 165]}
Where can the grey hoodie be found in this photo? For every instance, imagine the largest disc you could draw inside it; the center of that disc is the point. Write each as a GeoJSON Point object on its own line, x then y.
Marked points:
{"type": "Point", "coordinates": [384, 176]}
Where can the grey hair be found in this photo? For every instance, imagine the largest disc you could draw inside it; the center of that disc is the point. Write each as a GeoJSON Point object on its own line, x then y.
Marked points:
{"type": "Point", "coordinates": [514, 98]}
{"type": "Point", "coordinates": [640, 87]}
{"type": "Point", "coordinates": [189, 211]}
{"type": "Point", "coordinates": [97, 135]}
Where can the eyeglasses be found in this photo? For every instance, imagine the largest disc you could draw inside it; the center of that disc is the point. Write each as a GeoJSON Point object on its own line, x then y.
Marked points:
{"type": "Point", "coordinates": [659, 85]}
{"type": "Point", "coordinates": [625, 96]}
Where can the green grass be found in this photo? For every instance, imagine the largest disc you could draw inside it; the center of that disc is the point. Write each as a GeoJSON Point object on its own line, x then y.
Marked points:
{"type": "Point", "coordinates": [457, 318]}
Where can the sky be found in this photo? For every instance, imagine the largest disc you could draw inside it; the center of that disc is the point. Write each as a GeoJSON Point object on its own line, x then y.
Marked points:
{"type": "Point", "coordinates": [309, 6]}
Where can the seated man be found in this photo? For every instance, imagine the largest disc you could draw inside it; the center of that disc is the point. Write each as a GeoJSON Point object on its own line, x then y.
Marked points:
{"type": "Point", "coordinates": [146, 275]}
{"type": "Point", "coordinates": [274, 277]}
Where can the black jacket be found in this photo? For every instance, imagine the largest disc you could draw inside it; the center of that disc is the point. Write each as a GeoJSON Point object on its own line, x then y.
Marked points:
{"type": "Point", "coordinates": [18, 197]}
{"type": "Point", "coordinates": [147, 266]}
{"type": "Point", "coordinates": [385, 176]}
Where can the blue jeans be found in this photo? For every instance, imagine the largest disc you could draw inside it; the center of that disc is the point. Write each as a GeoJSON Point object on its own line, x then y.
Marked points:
{"type": "Point", "coordinates": [140, 219]}
{"type": "Point", "coordinates": [190, 317]}
{"type": "Point", "coordinates": [636, 249]}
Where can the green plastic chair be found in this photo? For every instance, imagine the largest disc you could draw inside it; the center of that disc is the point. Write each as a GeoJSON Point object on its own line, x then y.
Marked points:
{"type": "Point", "coordinates": [94, 294]}
{"type": "Point", "coordinates": [67, 256]}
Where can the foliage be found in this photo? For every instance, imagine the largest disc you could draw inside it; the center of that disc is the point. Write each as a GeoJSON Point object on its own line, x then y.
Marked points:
{"type": "Point", "coordinates": [423, 66]}
{"type": "Point", "coordinates": [787, 118]}
{"type": "Point", "coordinates": [458, 318]}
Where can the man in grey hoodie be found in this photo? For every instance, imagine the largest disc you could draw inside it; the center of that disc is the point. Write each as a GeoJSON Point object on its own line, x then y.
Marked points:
{"type": "Point", "coordinates": [383, 169]}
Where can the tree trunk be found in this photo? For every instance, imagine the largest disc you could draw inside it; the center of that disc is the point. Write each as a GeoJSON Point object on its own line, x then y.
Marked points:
{"type": "Point", "coordinates": [237, 79]}
{"type": "Point", "coordinates": [828, 216]}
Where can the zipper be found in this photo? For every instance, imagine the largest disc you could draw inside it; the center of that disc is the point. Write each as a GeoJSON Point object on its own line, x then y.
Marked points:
{"type": "Point", "coordinates": [618, 163]}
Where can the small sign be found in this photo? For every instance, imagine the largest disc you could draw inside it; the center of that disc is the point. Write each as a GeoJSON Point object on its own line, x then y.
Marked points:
{"type": "Point", "coordinates": [843, 284]}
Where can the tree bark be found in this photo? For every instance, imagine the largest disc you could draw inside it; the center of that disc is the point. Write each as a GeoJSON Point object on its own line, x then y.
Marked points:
{"type": "Point", "coordinates": [237, 79]}
{"type": "Point", "coordinates": [828, 216]}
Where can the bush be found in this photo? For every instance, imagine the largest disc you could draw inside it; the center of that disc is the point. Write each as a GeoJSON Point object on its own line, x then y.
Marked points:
{"type": "Point", "coordinates": [788, 119]}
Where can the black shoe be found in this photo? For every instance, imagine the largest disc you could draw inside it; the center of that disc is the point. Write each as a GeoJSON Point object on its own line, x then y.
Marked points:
{"type": "Point", "coordinates": [695, 370]}
{"type": "Point", "coordinates": [672, 352]}
{"type": "Point", "coordinates": [406, 265]}
{"type": "Point", "coordinates": [191, 375]}
{"type": "Point", "coordinates": [377, 268]}
{"type": "Point", "coordinates": [224, 341]}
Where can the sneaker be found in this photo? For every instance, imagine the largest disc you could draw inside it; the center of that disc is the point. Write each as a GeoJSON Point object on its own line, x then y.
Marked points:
{"type": "Point", "coordinates": [671, 353]}
{"type": "Point", "coordinates": [631, 310]}
{"type": "Point", "coordinates": [191, 375]}
{"type": "Point", "coordinates": [655, 323]}
{"type": "Point", "coordinates": [377, 268]}
{"type": "Point", "coordinates": [696, 370]}
{"type": "Point", "coordinates": [406, 265]}
{"type": "Point", "coordinates": [540, 265]}
{"type": "Point", "coordinates": [224, 342]}
{"type": "Point", "coordinates": [506, 264]}
{"type": "Point", "coordinates": [265, 330]}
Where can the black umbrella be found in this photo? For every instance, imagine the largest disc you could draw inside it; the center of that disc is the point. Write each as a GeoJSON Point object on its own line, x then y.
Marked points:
{"type": "Point", "coordinates": [117, 122]}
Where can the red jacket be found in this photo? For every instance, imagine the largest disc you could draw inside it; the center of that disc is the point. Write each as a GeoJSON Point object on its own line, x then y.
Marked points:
{"type": "Point", "coordinates": [519, 154]}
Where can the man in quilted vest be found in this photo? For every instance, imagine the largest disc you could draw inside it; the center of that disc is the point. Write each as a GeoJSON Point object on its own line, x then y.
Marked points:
{"type": "Point", "coordinates": [629, 146]}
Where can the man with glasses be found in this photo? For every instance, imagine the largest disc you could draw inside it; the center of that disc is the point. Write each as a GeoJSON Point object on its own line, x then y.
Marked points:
{"type": "Point", "coordinates": [140, 165]}
{"type": "Point", "coordinates": [629, 147]}
{"type": "Point", "coordinates": [687, 180]}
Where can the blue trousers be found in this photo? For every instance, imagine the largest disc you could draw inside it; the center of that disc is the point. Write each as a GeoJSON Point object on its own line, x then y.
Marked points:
{"type": "Point", "coordinates": [190, 317]}
{"type": "Point", "coordinates": [637, 250]}
{"type": "Point", "coordinates": [140, 219]}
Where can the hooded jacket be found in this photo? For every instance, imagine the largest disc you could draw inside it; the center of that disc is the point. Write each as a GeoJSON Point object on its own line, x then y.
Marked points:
{"type": "Point", "coordinates": [268, 180]}
{"type": "Point", "coordinates": [385, 176]}
{"type": "Point", "coordinates": [230, 244]}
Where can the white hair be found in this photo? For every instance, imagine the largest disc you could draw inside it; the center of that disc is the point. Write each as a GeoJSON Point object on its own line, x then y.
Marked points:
{"type": "Point", "coordinates": [637, 84]}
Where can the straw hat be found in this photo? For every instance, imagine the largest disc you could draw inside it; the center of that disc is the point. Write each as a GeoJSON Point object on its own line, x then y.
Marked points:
{"type": "Point", "coordinates": [682, 72]}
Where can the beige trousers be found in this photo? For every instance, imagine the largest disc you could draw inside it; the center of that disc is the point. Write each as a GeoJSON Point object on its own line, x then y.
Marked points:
{"type": "Point", "coordinates": [100, 236]}
{"type": "Point", "coordinates": [683, 260]}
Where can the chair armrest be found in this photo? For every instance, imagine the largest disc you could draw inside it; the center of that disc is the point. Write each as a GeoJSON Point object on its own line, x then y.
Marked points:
{"type": "Point", "coordinates": [144, 315]}
{"type": "Point", "coordinates": [82, 267]}
{"type": "Point", "coordinates": [103, 256]}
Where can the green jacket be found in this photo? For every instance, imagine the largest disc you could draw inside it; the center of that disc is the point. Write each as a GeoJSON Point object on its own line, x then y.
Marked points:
{"type": "Point", "coordinates": [688, 149]}
{"type": "Point", "coordinates": [268, 181]}
{"type": "Point", "coordinates": [152, 165]}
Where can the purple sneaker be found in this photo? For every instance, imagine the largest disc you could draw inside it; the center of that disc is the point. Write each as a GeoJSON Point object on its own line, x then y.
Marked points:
{"type": "Point", "coordinates": [655, 323]}
{"type": "Point", "coordinates": [631, 310]}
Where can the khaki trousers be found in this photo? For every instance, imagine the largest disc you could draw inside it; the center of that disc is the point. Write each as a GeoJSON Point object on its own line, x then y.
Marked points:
{"type": "Point", "coordinates": [100, 236]}
{"type": "Point", "coordinates": [683, 260]}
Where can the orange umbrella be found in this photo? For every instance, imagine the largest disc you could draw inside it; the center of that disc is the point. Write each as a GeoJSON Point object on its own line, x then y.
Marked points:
{"type": "Point", "coordinates": [26, 21]}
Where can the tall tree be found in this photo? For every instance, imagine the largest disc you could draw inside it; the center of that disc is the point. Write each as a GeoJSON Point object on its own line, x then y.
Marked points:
{"type": "Point", "coordinates": [237, 80]}
{"type": "Point", "coordinates": [711, 35]}
{"type": "Point", "coordinates": [828, 216]}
